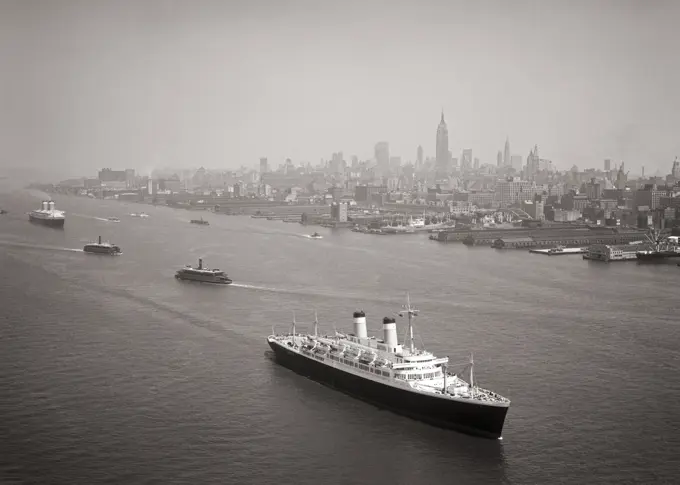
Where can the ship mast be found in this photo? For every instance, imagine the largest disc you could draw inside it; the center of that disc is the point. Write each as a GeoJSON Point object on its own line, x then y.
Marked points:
{"type": "Point", "coordinates": [293, 326]}
{"type": "Point", "coordinates": [412, 312]}
{"type": "Point", "coordinates": [472, 372]}
{"type": "Point", "coordinates": [316, 325]}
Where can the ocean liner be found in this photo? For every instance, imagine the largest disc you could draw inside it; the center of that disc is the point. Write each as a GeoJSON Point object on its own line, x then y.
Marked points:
{"type": "Point", "coordinates": [203, 275]}
{"type": "Point", "coordinates": [406, 380]}
{"type": "Point", "coordinates": [48, 215]}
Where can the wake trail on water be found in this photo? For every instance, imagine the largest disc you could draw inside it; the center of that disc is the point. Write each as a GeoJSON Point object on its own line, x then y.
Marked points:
{"type": "Point", "coordinates": [38, 246]}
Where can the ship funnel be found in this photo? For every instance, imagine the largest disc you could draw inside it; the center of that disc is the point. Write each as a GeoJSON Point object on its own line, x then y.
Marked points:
{"type": "Point", "coordinates": [390, 333]}
{"type": "Point", "coordinates": [200, 263]}
{"type": "Point", "coordinates": [100, 239]}
{"type": "Point", "coordinates": [51, 205]}
{"type": "Point", "coordinates": [44, 205]}
{"type": "Point", "coordinates": [360, 324]}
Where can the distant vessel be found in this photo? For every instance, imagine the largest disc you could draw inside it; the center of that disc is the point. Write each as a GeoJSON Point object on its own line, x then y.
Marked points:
{"type": "Point", "coordinates": [403, 379]}
{"type": "Point", "coordinates": [203, 275]}
{"type": "Point", "coordinates": [141, 214]}
{"type": "Point", "coordinates": [200, 221]}
{"type": "Point", "coordinates": [316, 235]}
{"type": "Point", "coordinates": [3, 211]}
{"type": "Point", "coordinates": [113, 219]}
{"type": "Point", "coordinates": [556, 250]}
{"type": "Point", "coordinates": [663, 247]}
{"type": "Point", "coordinates": [48, 215]}
{"type": "Point", "coordinates": [102, 248]}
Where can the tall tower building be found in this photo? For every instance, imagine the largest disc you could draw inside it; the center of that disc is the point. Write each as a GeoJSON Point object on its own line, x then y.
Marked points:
{"type": "Point", "coordinates": [264, 166]}
{"type": "Point", "coordinates": [607, 164]}
{"type": "Point", "coordinates": [507, 160]}
{"type": "Point", "coordinates": [382, 158]}
{"type": "Point", "coordinates": [499, 159]}
{"type": "Point", "coordinates": [419, 156]}
{"type": "Point", "coordinates": [675, 170]}
{"type": "Point", "coordinates": [442, 160]}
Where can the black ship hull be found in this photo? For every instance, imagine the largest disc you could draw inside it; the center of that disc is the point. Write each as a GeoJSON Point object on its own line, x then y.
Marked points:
{"type": "Point", "coordinates": [199, 280]}
{"type": "Point", "coordinates": [47, 222]}
{"type": "Point", "coordinates": [660, 256]}
{"type": "Point", "coordinates": [467, 417]}
{"type": "Point", "coordinates": [97, 250]}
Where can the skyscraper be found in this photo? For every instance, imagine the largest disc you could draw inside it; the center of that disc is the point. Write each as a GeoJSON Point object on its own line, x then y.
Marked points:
{"type": "Point", "coordinates": [507, 160]}
{"type": "Point", "coordinates": [382, 158]}
{"type": "Point", "coordinates": [264, 166]}
{"type": "Point", "coordinates": [607, 164]}
{"type": "Point", "coordinates": [442, 160]}
{"type": "Point", "coordinates": [419, 156]}
{"type": "Point", "coordinates": [499, 159]}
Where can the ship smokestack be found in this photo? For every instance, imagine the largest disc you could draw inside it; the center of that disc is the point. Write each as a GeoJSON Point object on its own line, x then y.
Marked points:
{"type": "Point", "coordinates": [390, 333]}
{"type": "Point", "coordinates": [44, 205]}
{"type": "Point", "coordinates": [360, 324]}
{"type": "Point", "coordinates": [200, 263]}
{"type": "Point", "coordinates": [100, 239]}
{"type": "Point", "coordinates": [51, 205]}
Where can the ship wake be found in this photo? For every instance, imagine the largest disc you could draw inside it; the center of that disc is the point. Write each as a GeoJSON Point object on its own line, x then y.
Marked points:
{"type": "Point", "coordinates": [37, 246]}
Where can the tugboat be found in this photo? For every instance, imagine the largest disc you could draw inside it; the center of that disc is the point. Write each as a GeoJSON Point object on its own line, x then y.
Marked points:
{"type": "Point", "coordinates": [48, 215]}
{"type": "Point", "coordinates": [406, 380]}
{"type": "Point", "coordinates": [200, 221]}
{"type": "Point", "coordinates": [113, 219]}
{"type": "Point", "coordinates": [316, 235]}
{"type": "Point", "coordinates": [203, 275]}
{"type": "Point", "coordinates": [102, 248]}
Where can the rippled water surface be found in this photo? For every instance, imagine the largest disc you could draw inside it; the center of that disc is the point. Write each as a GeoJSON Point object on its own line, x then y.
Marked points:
{"type": "Point", "coordinates": [113, 371]}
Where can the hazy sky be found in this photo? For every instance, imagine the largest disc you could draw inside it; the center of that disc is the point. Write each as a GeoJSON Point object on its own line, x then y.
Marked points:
{"type": "Point", "coordinates": [141, 84]}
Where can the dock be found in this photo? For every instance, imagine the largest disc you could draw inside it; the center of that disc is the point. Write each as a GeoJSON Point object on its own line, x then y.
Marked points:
{"type": "Point", "coordinates": [562, 252]}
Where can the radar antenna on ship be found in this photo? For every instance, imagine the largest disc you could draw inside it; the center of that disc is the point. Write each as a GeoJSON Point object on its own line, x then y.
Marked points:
{"type": "Point", "coordinates": [411, 312]}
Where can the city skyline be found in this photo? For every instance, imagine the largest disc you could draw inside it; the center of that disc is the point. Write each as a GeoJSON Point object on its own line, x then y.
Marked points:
{"type": "Point", "coordinates": [218, 85]}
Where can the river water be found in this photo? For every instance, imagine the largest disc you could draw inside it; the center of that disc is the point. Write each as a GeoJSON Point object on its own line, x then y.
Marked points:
{"type": "Point", "coordinates": [112, 371]}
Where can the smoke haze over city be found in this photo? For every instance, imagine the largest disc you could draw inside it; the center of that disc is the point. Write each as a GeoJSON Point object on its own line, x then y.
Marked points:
{"type": "Point", "coordinates": [87, 85]}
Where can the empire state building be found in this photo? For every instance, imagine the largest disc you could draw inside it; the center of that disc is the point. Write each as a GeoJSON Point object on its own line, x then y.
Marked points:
{"type": "Point", "coordinates": [442, 163]}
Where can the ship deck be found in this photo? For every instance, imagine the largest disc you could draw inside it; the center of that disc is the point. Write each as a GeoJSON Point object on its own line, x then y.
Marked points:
{"type": "Point", "coordinates": [349, 360]}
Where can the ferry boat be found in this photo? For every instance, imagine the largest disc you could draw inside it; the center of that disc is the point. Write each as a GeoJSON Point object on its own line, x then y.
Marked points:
{"type": "Point", "coordinates": [48, 215]}
{"type": "Point", "coordinates": [203, 275]}
{"type": "Point", "coordinates": [406, 380]}
{"type": "Point", "coordinates": [200, 221]}
{"type": "Point", "coordinates": [102, 248]}
{"type": "Point", "coordinates": [316, 235]}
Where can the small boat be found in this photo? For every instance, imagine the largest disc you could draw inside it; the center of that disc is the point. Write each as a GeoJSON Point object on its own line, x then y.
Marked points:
{"type": "Point", "coordinates": [200, 221]}
{"type": "Point", "coordinates": [3, 211]}
{"type": "Point", "coordinates": [141, 214]}
{"type": "Point", "coordinates": [113, 219]}
{"type": "Point", "coordinates": [316, 235]}
{"type": "Point", "coordinates": [102, 248]}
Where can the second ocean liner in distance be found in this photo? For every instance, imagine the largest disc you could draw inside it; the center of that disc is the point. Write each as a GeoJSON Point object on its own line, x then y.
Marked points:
{"type": "Point", "coordinates": [48, 215]}
{"type": "Point", "coordinates": [406, 380]}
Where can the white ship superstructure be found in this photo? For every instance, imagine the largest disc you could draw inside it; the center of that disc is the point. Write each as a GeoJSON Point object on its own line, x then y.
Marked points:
{"type": "Point", "coordinates": [384, 371]}
{"type": "Point", "coordinates": [47, 214]}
